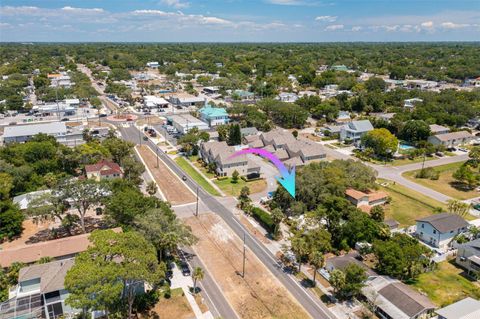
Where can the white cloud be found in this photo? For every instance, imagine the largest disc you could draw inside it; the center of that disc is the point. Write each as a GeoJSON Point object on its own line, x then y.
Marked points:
{"type": "Point", "coordinates": [356, 28]}
{"type": "Point", "coordinates": [427, 24]}
{"type": "Point", "coordinates": [82, 10]}
{"type": "Point", "coordinates": [150, 12]}
{"type": "Point", "coordinates": [177, 4]}
{"type": "Point", "coordinates": [326, 18]}
{"type": "Point", "coordinates": [334, 27]}
{"type": "Point", "coordinates": [451, 25]}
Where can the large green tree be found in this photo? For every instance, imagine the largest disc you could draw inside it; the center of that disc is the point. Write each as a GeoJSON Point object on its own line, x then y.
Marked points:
{"type": "Point", "coordinates": [381, 141]}
{"type": "Point", "coordinates": [110, 272]}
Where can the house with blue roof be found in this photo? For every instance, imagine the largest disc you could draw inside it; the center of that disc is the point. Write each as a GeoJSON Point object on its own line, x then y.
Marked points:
{"type": "Point", "coordinates": [213, 115]}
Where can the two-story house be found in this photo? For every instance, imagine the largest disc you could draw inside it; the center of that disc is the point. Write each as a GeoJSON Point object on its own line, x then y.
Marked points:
{"type": "Point", "coordinates": [221, 154]}
{"type": "Point", "coordinates": [214, 116]}
{"type": "Point", "coordinates": [307, 151]}
{"type": "Point", "coordinates": [103, 170]}
{"type": "Point", "coordinates": [451, 139]}
{"type": "Point", "coordinates": [354, 130]}
{"type": "Point", "coordinates": [438, 230]}
{"type": "Point", "coordinates": [40, 289]}
{"type": "Point", "coordinates": [468, 256]}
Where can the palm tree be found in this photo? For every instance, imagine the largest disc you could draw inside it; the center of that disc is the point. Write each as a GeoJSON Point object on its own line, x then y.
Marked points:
{"type": "Point", "coordinates": [151, 188]}
{"type": "Point", "coordinates": [316, 260]}
{"type": "Point", "coordinates": [277, 217]}
{"type": "Point", "coordinates": [198, 274]}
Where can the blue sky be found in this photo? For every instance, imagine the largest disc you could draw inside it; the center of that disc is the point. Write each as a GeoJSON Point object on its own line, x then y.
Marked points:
{"type": "Point", "coordinates": [239, 20]}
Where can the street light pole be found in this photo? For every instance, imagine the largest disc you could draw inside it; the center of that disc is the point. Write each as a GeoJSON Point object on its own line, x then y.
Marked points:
{"type": "Point", "coordinates": [196, 207]}
{"type": "Point", "coordinates": [156, 152]}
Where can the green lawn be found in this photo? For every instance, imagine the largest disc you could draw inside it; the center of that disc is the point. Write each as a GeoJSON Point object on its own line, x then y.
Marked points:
{"type": "Point", "coordinates": [233, 189]}
{"type": "Point", "coordinates": [446, 285]}
{"type": "Point", "coordinates": [407, 205]}
{"type": "Point", "coordinates": [406, 161]}
{"type": "Point", "coordinates": [182, 162]}
{"type": "Point", "coordinates": [445, 182]}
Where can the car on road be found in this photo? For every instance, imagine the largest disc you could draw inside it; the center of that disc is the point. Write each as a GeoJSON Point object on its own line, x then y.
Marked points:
{"type": "Point", "coordinates": [184, 178]}
{"type": "Point", "coordinates": [145, 138]}
{"type": "Point", "coordinates": [185, 268]}
{"type": "Point", "coordinates": [463, 150]}
{"type": "Point", "coordinates": [102, 115]}
{"type": "Point", "coordinates": [65, 119]}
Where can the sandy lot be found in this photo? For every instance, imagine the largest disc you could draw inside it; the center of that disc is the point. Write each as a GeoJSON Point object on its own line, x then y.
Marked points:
{"type": "Point", "coordinates": [260, 294]}
{"type": "Point", "coordinates": [173, 189]}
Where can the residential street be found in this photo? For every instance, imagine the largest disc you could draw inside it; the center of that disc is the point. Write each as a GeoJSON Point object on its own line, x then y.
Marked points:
{"type": "Point", "coordinates": [394, 173]}
{"type": "Point", "coordinates": [310, 302]}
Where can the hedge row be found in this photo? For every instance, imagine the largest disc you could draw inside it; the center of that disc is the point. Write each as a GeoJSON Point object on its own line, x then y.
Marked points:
{"type": "Point", "coordinates": [264, 219]}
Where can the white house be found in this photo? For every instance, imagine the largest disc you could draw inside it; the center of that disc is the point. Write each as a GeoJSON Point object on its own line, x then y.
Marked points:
{"type": "Point", "coordinates": [438, 230]}
{"type": "Point", "coordinates": [186, 100]}
{"type": "Point", "coordinates": [410, 103]}
{"type": "Point", "coordinates": [468, 256]}
{"type": "Point", "coordinates": [153, 65]}
{"type": "Point", "coordinates": [287, 97]}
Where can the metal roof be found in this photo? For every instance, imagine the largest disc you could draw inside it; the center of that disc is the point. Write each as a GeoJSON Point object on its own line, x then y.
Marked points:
{"type": "Point", "coordinates": [467, 308]}
{"type": "Point", "coordinates": [33, 129]}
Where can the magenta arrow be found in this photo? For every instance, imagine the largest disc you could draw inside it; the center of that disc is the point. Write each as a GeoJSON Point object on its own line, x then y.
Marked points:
{"type": "Point", "coordinates": [288, 178]}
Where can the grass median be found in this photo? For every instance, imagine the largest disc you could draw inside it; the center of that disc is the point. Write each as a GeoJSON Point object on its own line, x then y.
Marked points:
{"type": "Point", "coordinates": [182, 162]}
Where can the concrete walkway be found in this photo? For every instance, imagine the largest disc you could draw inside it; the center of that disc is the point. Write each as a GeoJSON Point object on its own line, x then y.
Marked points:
{"type": "Point", "coordinates": [185, 282]}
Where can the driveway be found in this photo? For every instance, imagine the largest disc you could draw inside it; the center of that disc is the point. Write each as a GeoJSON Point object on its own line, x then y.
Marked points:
{"type": "Point", "coordinates": [269, 171]}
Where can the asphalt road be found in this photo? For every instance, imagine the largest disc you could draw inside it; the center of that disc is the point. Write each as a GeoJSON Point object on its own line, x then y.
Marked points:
{"type": "Point", "coordinates": [310, 302]}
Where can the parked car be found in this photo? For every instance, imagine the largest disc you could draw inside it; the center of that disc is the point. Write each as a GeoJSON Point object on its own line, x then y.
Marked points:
{"type": "Point", "coordinates": [439, 154]}
{"type": "Point", "coordinates": [185, 269]}
{"type": "Point", "coordinates": [463, 149]}
{"type": "Point", "coordinates": [476, 206]}
{"type": "Point", "coordinates": [65, 119]}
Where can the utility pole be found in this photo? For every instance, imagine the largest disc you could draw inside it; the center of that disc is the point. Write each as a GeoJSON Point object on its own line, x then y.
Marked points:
{"type": "Point", "coordinates": [244, 251]}
{"type": "Point", "coordinates": [196, 208]}
{"type": "Point", "coordinates": [156, 151]}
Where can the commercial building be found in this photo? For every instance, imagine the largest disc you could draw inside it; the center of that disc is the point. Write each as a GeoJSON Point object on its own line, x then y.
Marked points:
{"type": "Point", "coordinates": [186, 100]}
{"type": "Point", "coordinates": [213, 116]}
{"type": "Point", "coordinates": [154, 102]}
{"type": "Point", "coordinates": [60, 80]}
{"type": "Point", "coordinates": [23, 133]}
{"type": "Point", "coordinates": [438, 230]}
{"type": "Point", "coordinates": [185, 122]}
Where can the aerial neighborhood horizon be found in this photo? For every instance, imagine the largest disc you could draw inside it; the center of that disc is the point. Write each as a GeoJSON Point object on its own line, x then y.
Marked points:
{"type": "Point", "coordinates": [239, 159]}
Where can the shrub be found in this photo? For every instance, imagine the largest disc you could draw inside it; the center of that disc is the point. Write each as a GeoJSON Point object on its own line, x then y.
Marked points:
{"type": "Point", "coordinates": [428, 173]}
{"type": "Point", "coordinates": [264, 218]}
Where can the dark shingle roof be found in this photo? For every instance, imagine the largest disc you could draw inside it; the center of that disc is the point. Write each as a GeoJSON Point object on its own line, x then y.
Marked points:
{"type": "Point", "coordinates": [405, 299]}
{"type": "Point", "coordinates": [445, 222]}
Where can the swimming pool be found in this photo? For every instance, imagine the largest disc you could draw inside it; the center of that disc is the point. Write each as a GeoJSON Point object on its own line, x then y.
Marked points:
{"type": "Point", "coordinates": [405, 147]}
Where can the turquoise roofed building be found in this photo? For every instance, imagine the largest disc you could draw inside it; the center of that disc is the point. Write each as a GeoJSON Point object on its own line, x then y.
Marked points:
{"type": "Point", "coordinates": [214, 115]}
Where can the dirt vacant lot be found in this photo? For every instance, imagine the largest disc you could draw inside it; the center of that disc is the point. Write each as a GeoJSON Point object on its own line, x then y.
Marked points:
{"type": "Point", "coordinates": [260, 295]}
{"type": "Point", "coordinates": [174, 190]}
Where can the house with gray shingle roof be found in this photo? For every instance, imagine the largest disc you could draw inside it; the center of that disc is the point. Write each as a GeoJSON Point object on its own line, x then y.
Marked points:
{"type": "Point", "coordinates": [40, 289]}
{"type": "Point", "coordinates": [393, 299]}
{"type": "Point", "coordinates": [438, 230]}
{"type": "Point", "coordinates": [355, 130]}
{"type": "Point", "coordinates": [221, 154]}
{"type": "Point", "coordinates": [451, 139]}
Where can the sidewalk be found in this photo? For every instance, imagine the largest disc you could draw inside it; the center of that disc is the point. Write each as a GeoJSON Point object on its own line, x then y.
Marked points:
{"type": "Point", "coordinates": [185, 282]}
